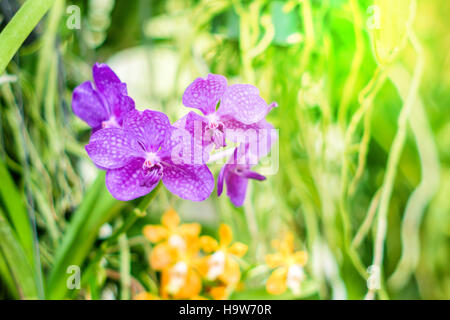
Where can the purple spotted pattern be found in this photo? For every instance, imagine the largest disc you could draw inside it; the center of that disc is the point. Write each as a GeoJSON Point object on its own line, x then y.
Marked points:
{"type": "Point", "coordinates": [239, 118]}
{"type": "Point", "coordinates": [138, 149]}
{"type": "Point", "coordinates": [103, 103]}
{"type": "Point", "coordinates": [240, 107]}
{"type": "Point", "coordinates": [139, 155]}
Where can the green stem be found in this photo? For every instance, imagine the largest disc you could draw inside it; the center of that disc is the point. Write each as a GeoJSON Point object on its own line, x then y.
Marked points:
{"type": "Point", "coordinates": [394, 155]}
{"type": "Point", "coordinates": [424, 192]}
{"type": "Point", "coordinates": [20, 26]}
{"type": "Point", "coordinates": [356, 63]}
{"type": "Point", "coordinates": [126, 225]}
{"type": "Point", "coordinates": [125, 276]}
{"type": "Point", "coordinates": [97, 208]}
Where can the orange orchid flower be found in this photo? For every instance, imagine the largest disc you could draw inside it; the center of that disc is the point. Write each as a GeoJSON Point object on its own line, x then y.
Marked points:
{"type": "Point", "coordinates": [222, 265]}
{"type": "Point", "coordinates": [288, 266]}
{"type": "Point", "coordinates": [181, 280]}
{"type": "Point", "coordinates": [171, 237]}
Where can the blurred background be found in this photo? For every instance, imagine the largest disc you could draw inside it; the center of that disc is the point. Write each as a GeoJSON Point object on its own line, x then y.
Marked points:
{"type": "Point", "coordinates": [363, 178]}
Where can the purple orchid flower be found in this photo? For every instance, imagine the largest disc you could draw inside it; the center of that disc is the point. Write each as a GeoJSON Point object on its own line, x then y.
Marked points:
{"type": "Point", "coordinates": [240, 108]}
{"type": "Point", "coordinates": [104, 106]}
{"type": "Point", "coordinates": [145, 150]}
{"type": "Point", "coordinates": [236, 173]}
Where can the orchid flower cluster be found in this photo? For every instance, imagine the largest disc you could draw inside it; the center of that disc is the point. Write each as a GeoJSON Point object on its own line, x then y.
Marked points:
{"type": "Point", "coordinates": [195, 266]}
{"type": "Point", "coordinates": [139, 148]}
{"type": "Point", "coordinates": [186, 260]}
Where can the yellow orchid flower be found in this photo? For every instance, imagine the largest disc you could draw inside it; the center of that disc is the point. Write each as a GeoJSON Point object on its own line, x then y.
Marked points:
{"type": "Point", "coordinates": [288, 266]}
{"type": "Point", "coordinates": [181, 280]}
{"type": "Point", "coordinates": [171, 237]}
{"type": "Point", "coordinates": [222, 265]}
{"type": "Point", "coordinates": [219, 292]}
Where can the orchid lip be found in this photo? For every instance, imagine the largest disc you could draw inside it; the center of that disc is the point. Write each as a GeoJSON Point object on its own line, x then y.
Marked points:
{"type": "Point", "coordinates": [110, 123]}
{"type": "Point", "coordinates": [212, 118]}
{"type": "Point", "coordinates": [151, 159]}
{"type": "Point", "coordinates": [215, 132]}
{"type": "Point", "coordinates": [151, 172]}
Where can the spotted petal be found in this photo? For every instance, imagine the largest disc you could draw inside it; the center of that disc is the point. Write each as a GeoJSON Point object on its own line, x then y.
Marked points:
{"type": "Point", "coordinates": [120, 105]}
{"type": "Point", "coordinates": [113, 91]}
{"type": "Point", "coordinates": [148, 127]}
{"type": "Point", "coordinates": [185, 143]}
{"type": "Point", "coordinates": [111, 148]}
{"type": "Point", "coordinates": [105, 78]}
{"type": "Point", "coordinates": [204, 94]}
{"type": "Point", "coordinates": [128, 182]}
{"type": "Point", "coordinates": [191, 182]}
{"type": "Point", "coordinates": [87, 104]}
{"type": "Point", "coordinates": [258, 138]}
{"type": "Point", "coordinates": [243, 103]}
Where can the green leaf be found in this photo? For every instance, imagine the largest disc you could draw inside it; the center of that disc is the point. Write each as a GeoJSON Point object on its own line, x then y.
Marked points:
{"type": "Point", "coordinates": [17, 214]}
{"type": "Point", "coordinates": [16, 211]}
{"type": "Point", "coordinates": [20, 26]}
{"type": "Point", "coordinates": [97, 208]}
{"type": "Point", "coordinates": [7, 278]}
{"type": "Point", "coordinates": [16, 260]}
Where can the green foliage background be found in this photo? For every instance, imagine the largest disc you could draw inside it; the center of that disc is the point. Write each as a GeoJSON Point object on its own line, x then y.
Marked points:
{"type": "Point", "coordinates": [364, 150]}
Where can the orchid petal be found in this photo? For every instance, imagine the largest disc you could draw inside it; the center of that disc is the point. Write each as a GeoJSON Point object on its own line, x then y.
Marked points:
{"type": "Point", "coordinates": [236, 188]}
{"type": "Point", "coordinates": [189, 182]}
{"type": "Point", "coordinates": [225, 235]}
{"type": "Point", "coordinates": [149, 128]}
{"type": "Point", "coordinates": [204, 94]}
{"type": "Point", "coordinates": [243, 103]}
{"type": "Point", "coordinates": [88, 105]}
{"type": "Point", "coordinates": [155, 233]}
{"type": "Point", "coordinates": [208, 244]}
{"type": "Point", "coordinates": [276, 284]}
{"type": "Point", "coordinates": [111, 148]}
{"type": "Point", "coordinates": [170, 219]}
{"type": "Point", "coordinates": [181, 147]}
{"type": "Point", "coordinates": [220, 180]}
{"type": "Point", "coordinates": [238, 249]}
{"type": "Point", "coordinates": [253, 175]}
{"type": "Point", "coordinates": [105, 78]}
{"type": "Point", "coordinates": [274, 260]}
{"type": "Point", "coordinates": [128, 182]}
{"type": "Point", "coordinates": [232, 272]}
{"type": "Point", "coordinates": [120, 106]}
{"type": "Point", "coordinates": [162, 256]}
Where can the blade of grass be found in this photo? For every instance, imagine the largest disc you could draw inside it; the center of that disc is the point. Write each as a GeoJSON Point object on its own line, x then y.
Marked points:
{"type": "Point", "coordinates": [17, 261]}
{"type": "Point", "coordinates": [20, 26]}
{"type": "Point", "coordinates": [427, 188]}
{"type": "Point", "coordinates": [395, 153]}
{"type": "Point", "coordinates": [138, 212]}
{"type": "Point", "coordinates": [16, 211]}
{"type": "Point", "coordinates": [97, 208]}
{"type": "Point", "coordinates": [125, 265]}
{"type": "Point", "coordinates": [7, 278]}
